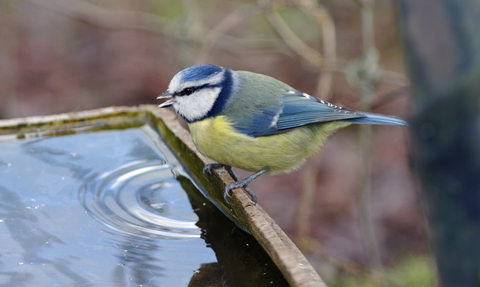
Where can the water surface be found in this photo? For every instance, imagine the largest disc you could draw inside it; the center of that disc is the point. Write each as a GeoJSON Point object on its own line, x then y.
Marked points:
{"type": "Point", "coordinates": [115, 208]}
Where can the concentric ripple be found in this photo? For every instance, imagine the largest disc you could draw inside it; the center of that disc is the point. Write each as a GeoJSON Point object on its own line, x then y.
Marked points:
{"type": "Point", "coordinates": [141, 198]}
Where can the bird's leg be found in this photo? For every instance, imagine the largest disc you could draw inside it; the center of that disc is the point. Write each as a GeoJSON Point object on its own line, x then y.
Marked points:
{"type": "Point", "coordinates": [244, 183]}
{"type": "Point", "coordinates": [231, 173]}
{"type": "Point", "coordinates": [250, 192]}
{"type": "Point", "coordinates": [237, 184]}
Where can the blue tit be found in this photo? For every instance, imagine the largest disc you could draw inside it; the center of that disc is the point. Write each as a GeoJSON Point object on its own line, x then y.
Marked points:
{"type": "Point", "coordinates": [255, 122]}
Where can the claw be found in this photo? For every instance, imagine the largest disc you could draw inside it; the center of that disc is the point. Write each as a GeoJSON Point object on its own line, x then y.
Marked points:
{"type": "Point", "coordinates": [237, 184]}
{"type": "Point", "coordinates": [244, 184]}
{"type": "Point", "coordinates": [209, 167]}
{"type": "Point", "coordinates": [234, 185]}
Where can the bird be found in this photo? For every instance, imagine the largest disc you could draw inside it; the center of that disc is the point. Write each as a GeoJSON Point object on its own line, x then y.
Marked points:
{"type": "Point", "coordinates": [255, 122]}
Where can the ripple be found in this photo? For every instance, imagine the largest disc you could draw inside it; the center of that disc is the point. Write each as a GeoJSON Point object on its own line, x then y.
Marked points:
{"type": "Point", "coordinates": [141, 198]}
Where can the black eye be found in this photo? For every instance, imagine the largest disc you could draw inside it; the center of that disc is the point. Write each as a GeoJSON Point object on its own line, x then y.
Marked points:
{"type": "Point", "coordinates": [188, 91]}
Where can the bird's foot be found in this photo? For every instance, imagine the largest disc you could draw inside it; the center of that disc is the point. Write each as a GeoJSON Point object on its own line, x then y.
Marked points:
{"type": "Point", "coordinates": [244, 184]}
{"type": "Point", "coordinates": [239, 184]}
{"type": "Point", "coordinates": [209, 167]}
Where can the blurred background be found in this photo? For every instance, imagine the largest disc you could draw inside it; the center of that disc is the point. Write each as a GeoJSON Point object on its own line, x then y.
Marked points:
{"type": "Point", "coordinates": [356, 213]}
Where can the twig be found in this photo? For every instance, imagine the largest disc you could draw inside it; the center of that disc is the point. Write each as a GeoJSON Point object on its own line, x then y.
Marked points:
{"type": "Point", "coordinates": [292, 41]}
{"type": "Point", "coordinates": [323, 91]}
{"type": "Point", "coordinates": [384, 98]}
{"type": "Point", "coordinates": [226, 24]}
{"type": "Point", "coordinates": [386, 76]}
{"type": "Point", "coordinates": [104, 18]}
{"type": "Point", "coordinates": [321, 15]}
{"type": "Point", "coordinates": [369, 76]}
{"type": "Point", "coordinates": [305, 202]}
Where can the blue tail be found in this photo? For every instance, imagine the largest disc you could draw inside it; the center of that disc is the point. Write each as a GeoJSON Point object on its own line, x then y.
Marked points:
{"type": "Point", "coordinates": [377, 119]}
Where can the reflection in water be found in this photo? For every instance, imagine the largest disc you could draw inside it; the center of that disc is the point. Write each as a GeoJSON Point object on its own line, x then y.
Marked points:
{"type": "Point", "coordinates": [24, 230]}
{"type": "Point", "coordinates": [95, 209]}
{"type": "Point", "coordinates": [114, 208]}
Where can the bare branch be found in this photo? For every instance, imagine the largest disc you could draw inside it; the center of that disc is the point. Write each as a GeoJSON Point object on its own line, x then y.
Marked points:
{"type": "Point", "coordinates": [226, 24]}
{"type": "Point", "coordinates": [97, 16]}
{"type": "Point", "coordinates": [321, 15]}
{"type": "Point", "coordinates": [295, 43]}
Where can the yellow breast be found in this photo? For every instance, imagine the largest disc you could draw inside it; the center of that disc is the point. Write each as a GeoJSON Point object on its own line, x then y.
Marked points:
{"type": "Point", "coordinates": [218, 140]}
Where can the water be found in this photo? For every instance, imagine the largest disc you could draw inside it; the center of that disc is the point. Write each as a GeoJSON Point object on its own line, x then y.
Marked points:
{"type": "Point", "coordinates": [114, 208]}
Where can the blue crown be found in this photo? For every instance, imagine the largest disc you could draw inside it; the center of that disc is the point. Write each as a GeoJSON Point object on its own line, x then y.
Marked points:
{"type": "Point", "coordinates": [198, 72]}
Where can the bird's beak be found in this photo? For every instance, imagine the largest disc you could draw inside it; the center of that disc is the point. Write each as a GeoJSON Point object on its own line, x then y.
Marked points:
{"type": "Point", "coordinates": [166, 95]}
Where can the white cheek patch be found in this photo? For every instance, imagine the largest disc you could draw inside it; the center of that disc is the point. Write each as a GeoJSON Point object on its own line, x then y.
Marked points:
{"type": "Point", "coordinates": [196, 105]}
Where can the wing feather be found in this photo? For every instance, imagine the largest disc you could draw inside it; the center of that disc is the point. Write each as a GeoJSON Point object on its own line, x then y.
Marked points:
{"type": "Point", "coordinates": [295, 110]}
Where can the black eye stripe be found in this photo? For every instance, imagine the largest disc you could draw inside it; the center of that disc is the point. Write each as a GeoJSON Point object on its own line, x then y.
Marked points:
{"type": "Point", "coordinates": [190, 90]}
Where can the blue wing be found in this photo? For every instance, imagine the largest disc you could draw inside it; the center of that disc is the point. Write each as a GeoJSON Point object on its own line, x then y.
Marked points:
{"type": "Point", "coordinates": [298, 109]}
{"type": "Point", "coordinates": [295, 110]}
{"type": "Point", "coordinates": [301, 109]}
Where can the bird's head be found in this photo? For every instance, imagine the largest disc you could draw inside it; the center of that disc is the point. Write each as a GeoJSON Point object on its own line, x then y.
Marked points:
{"type": "Point", "coordinates": [199, 92]}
